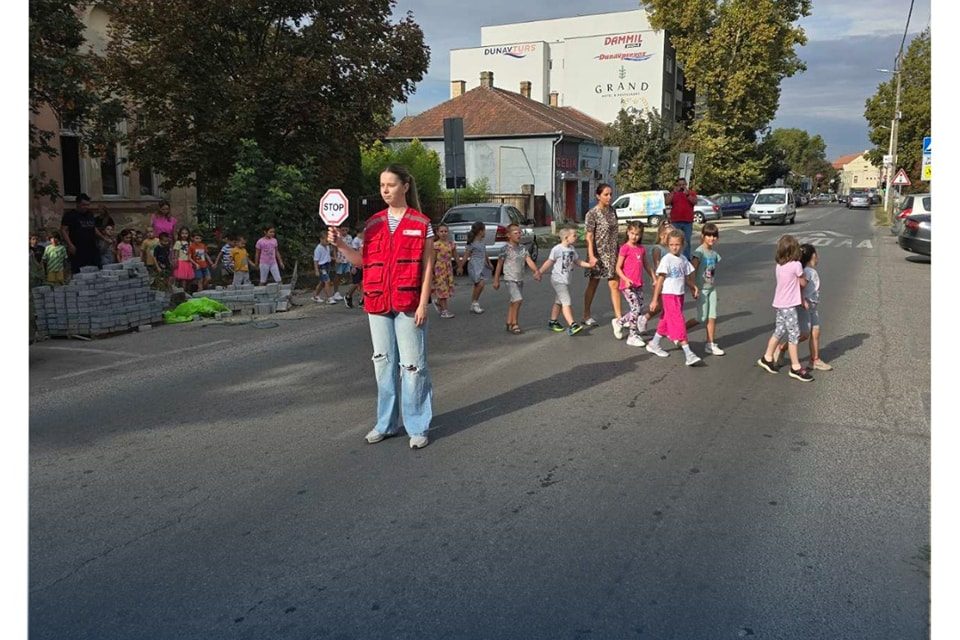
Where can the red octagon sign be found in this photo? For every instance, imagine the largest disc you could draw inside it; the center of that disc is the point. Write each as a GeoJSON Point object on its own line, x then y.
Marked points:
{"type": "Point", "coordinates": [334, 207]}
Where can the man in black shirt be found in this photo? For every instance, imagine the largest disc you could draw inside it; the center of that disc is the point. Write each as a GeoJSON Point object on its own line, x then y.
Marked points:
{"type": "Point", "coordinates": [79, 231]}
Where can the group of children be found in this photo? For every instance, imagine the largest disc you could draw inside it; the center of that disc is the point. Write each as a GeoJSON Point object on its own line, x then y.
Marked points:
{"type": "Point", "coordinates": [672, 274]}
{"type": "Point", "coordinates": [184, 262]}
{"type": "Point", "coordinates": [333, 269]}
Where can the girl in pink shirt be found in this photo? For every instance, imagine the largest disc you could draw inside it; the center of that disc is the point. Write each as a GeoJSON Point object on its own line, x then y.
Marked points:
{"type": "Point", "coordinates": [631, 263]}
{"type": "Point", "coordinates": [125, 246]}
{"type": "Point", "coordinates": [786, 299]}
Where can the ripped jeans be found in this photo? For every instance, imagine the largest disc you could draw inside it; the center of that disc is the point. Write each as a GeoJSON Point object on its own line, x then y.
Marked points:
{"type": "Point", "coordinates": [403, 379]}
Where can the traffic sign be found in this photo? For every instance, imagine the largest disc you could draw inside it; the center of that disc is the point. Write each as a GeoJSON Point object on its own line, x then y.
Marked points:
{"type": "Point", "coordinates": [901, 180]}
{"type": "Point", "coordinates": [334, 207]}
{"type": "Point", "coordinates": [926, 172]}
{"type": "Point", "coordinates": [887, 159]}
{"type": "Point", "coordinates": [926, 146]}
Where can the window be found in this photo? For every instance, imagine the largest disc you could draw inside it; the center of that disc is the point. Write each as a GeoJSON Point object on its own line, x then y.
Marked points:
{"type": "Point", "coordinates": [487, 215]}
{"type": "Point", "coordinates": [622, 202]}
{"type": "Point", "coordinates": [669, 64]}
{"type": "Point", "coordinates": [148, 185]}
{"type": "Point", "coordinates": [70, 157]}
{"type": "Point", "coordinates": [109, 170]}
{"type": "Point", "coordinates": [855, 176]}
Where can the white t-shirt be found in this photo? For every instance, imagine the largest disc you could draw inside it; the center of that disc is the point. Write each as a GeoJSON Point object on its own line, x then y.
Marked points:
{"type": "Point", "coordinates": [676, 268]}
{"type": "Point", "coordinates": [357, 243]}
{"type": "Point", "coordinates": [563, 260]}
{"type": "Point", "coordinates": [321, 255]}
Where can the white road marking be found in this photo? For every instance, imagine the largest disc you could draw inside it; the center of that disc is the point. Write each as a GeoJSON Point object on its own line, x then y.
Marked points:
{"type": "Point", "coordinates": [749, 231]}
{"type": "Point", "coordinates": [866, 244]}
{"type": "Point", "coordinates": [138, 359]}
{"type": "Point", "coordinates": [82, 350]}
{"type": "Point", "coordinates": [846, 243]}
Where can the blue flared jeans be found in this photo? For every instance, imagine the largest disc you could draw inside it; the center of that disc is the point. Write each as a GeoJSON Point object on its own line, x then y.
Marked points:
{"type": "Point", "coordinates": [403, 379]}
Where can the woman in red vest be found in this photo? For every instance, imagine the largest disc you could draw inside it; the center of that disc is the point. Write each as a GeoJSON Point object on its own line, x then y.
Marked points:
{"type": "Point", "coordinates": [397, 260]}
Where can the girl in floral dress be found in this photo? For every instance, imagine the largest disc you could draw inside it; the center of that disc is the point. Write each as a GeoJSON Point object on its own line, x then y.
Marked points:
{"type": "Point", "coordinates": [446, 253]}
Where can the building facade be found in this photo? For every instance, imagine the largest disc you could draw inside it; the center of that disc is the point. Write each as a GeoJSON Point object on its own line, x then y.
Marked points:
{"type": "Point", "coordinates": [857, 172]}
{"type": "Point", "coordinates": [598, 64]}
{"type": "Point", "coordinates": [128, 192]}
{"type": "Point", "coordinates": [519, 144]}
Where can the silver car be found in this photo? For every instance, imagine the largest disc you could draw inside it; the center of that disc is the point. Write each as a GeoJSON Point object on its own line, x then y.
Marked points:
{"type": "Point", "coordinates": [705, 210]}
{"type": "Point", "coordinates": [915, 234]}
{"type": "Point", "coordinates": [859, 200]}
{"type": "Point", "coordinates": [495, 217]}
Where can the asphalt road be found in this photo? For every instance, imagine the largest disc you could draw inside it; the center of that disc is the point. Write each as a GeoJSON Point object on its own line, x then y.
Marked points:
{"type": "Point", "coordinates": [212, 481]}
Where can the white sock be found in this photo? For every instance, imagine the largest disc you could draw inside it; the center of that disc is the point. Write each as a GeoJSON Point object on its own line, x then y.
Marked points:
{"type": "Point", "coordinates": [656, 340]}
{"type": "Point", "coordinates": [686, 349]}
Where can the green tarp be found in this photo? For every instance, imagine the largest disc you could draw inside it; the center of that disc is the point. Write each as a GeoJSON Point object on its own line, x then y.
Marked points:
{"type": "Point", "coordinates": [193, 307]}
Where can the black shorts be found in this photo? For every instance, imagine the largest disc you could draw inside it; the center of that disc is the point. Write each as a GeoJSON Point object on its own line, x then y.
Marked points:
{"type": "Point", "coordinates": [358, 276]}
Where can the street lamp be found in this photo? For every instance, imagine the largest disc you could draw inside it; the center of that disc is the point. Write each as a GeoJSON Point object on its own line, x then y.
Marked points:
{"type": "Point", "coordinates": [892, 152]}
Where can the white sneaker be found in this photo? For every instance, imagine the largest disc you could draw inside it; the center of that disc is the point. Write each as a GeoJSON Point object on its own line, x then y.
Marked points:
{"type": "Point", "coordinates": [317, 299]}
{"type": "Point", "coordinates": [713, 349]}
{"type": "Point", "coordinates": [656, 350]}
{"type": "Point", "coordinates": [590, 322]}
{"type": "Point", "coordinates": [337, 296]}
{"type": "Point", "coordinates": [692, 359]}
{"type": "Point", "coordinates": [331, 301]}
{"type": "Point", "coordinates": [374, 437]}
{"type": "Point", "coordinates": [642, 324]}
{"type": "Point", "coordinates": [418, 442]}
{"type": "Point", "coordinates": [635, 341]}
{"type": "Point", "coordinates": [617, 329]}
{"type": "Point", "coordinates": [475, 308]}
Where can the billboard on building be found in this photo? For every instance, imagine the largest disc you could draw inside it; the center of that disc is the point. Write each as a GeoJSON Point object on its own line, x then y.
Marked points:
{"type": "Point", "coordinates": [607, 73]}
{"type": "Point", "coordinates": [511, 64]}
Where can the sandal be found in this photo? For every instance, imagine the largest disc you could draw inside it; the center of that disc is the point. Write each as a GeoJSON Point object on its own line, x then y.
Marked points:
{"type": "Point", "coordinates": [515, 330]}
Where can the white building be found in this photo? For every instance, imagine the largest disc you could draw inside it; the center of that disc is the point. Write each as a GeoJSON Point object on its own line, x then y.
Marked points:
{"type": "Point", "coordinates": [598, 64]}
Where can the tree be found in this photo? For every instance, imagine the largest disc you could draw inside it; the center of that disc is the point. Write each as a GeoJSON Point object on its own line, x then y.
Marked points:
{"type": "Point", "coordinates": [734, 54]}
{"type": "Point", "coordinates": [304, 78]}
{"type": "Point", "coordinates": [63, 77]}
{"type": "Point", "coordinates": [645, 149]}
{"type": "Point", "coordinates": [423, 164]}
{"type": "Point", "coordinates": [914, 109]}
{"type": "Point", "coordinates": [803, 155]}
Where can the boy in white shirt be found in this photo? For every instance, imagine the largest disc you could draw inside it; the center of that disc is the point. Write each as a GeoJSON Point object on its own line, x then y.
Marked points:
{"type": "Point", "coordinates": [562, 258]}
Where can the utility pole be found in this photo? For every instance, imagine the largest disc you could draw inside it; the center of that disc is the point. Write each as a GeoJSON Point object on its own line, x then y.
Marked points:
{"type": "Point", "coordinates": [892, 152]}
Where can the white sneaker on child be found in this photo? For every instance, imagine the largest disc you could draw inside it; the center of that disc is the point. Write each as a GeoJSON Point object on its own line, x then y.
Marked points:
{"type": "Point", "coordinates": [337, 296]}
{"type": "Point", "coordinates": [617, 328]}
{"type": "Point", "coordinates": [657, 350]}
{"type": "Point", "coordinates": [692, 359]}
{"type": "Point", "coordinates": [635, 341]}
{"type": "Point", "coordinates": [713, 349]}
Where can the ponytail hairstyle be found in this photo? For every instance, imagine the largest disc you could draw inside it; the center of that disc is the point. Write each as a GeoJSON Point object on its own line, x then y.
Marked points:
{"type": "Point", "coordinates": [413, 201]}
{"type": "Point", "coordinates": [475, 229]}
{"type": "Point", "coordinates": [807, 251]}
{"type": "Point", "coordinates": [662, 230]}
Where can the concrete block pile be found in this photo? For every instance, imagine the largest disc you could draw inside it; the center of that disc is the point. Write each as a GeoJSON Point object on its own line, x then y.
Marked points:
{"type": "Point", "coordinates": [100, 301]}
{"type": "Point", "coordinates": [248, 299]}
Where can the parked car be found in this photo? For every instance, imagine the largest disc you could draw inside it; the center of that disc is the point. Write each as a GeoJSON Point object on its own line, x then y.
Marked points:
{"type": "Point", "coordinates": [705, 210]}
{"type": "Point", "coordinates": [913, 203]}
{"type": "Point", "coordinates": [776, 204]}
{"type": "Point", "coordinates": [859, 200]}
{"type": "Point", "coordinates": [495, 216]}
{"type": "Point", "coordinates": [803, 199]}
{"type": "Point", "coordinates": [647, 206]}
{"type": "Point", "coordinates": [733, 204]}
{"type": "Point", "coordinates": [843, 199]}
{"type": "Point", "coordinates": [915, 234]}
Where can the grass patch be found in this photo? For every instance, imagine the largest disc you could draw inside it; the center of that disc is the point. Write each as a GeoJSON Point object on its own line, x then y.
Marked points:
{"type": "Point", "coordinates": [880, 217]}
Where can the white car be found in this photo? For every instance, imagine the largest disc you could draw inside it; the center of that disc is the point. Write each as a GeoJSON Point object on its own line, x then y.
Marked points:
{"type": "Point", "coordinates": [647, 206]}
{"type": "Point", "coordinates": [913, 203]}
{"type": "Point", "coordinates": [776, 204]}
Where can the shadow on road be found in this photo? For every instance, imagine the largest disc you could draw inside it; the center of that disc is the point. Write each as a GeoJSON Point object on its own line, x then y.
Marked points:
{"type": "Point", "coordinates": [733, 339]}
{"type": "Point", "coordinates": [840, 347]}
{"type": "Point", "coordinates": [918, 259]}
{"type": "Point", "coordinates": [560, 385]}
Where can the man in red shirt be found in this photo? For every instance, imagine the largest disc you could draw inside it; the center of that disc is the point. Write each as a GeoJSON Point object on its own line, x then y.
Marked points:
{"type": "Point", "coordinates": [682, 201]}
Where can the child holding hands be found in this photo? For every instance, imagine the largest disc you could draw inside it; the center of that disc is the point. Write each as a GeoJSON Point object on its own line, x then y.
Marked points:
{"type": "Point", "coordinates": [513, 258]}
{"type": "Point", "coordinates": [673, 272]}
{"type": "Point", "coordinates": [631, 263]}
{"type": "Point", "coordinates": [561, 260]}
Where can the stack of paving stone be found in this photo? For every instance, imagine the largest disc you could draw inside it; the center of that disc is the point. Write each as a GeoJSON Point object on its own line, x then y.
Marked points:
{"type": "Point", "coordinates": [248, 299]}
{"type": "Point", "coordinates": [97, 302]}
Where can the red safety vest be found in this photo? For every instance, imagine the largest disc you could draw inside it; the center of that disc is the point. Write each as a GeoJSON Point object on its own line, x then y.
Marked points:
{"type": "Point", "coordinates": [392, 271]}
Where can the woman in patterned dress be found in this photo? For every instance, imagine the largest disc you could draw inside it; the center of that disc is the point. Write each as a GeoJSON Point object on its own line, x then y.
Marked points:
{"type": "Point", "coordinates": [602, 244]}
{"type": "Point", "coordinates": [445, 252]}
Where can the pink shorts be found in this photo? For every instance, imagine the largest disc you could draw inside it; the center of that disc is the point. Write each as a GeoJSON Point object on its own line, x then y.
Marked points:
{"type": "Point", "coordinates": [672, 323]}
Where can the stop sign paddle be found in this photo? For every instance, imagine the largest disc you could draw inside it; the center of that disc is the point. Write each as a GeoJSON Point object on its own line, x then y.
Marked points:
{"type": "Point", "coordinates": [334, 207]}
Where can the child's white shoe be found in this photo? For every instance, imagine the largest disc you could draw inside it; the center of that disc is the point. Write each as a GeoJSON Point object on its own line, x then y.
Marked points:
{"type": "Point", "coordinates": [635, 341]}
{"type": "Point", "coordinates": [657, 351]}
{"type": "Point", "coordinates": [617, 328]}
{"type": "Point", "coordinates": [475, 308]}
{"type": "Point", "coordinates": [692, 359]}
{"type": "Point", "coordinates": [713, 349]}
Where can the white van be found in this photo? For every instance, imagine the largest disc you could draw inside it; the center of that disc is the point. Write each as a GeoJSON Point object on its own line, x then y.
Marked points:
{"type": "Point", "coordinates": [647, 206]}
{"type": "Point", "coordinates": [776, 204]}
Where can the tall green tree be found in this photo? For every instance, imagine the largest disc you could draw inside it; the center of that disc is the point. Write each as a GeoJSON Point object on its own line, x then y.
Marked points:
{"type": "Point", "coordinates": [301, 78]}
{"type": "Point", "coordinates": [734, 54]}
{"type": "Point", "coordinates": [646, 150]}
{"type": "Point", "coordinates": [803, 155]}
{"type": "Point", "coordinates": [63, 77]}
{"type": "Point", "coordinates": [914, 109]}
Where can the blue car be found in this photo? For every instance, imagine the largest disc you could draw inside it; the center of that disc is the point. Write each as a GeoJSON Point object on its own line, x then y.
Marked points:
{"type": "Point", "coordinates": [733, 204]}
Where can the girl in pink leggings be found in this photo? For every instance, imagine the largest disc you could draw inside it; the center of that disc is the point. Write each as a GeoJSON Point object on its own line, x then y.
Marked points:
{"type": "Point", "coordinates": [673, 272]}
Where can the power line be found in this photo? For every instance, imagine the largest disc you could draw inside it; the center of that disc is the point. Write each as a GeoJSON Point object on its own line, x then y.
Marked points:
{"type": "Point", "coordinates": [904, 40]}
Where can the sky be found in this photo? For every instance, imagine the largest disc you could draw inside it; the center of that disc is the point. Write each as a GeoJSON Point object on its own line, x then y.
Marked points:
{"type": "Point", "coordinates": [846, 41]}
